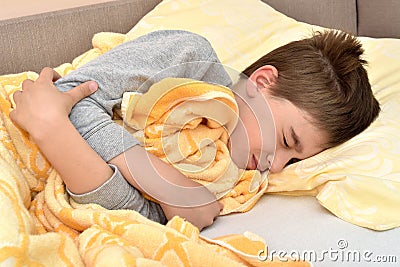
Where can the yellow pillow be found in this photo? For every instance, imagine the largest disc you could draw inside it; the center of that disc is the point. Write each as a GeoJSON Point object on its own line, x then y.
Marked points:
{"type": "Point", "coordinates": [358, 181]}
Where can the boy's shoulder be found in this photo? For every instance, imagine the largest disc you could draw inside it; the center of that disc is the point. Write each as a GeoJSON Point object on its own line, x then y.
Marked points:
{"type": "Point", "coordinates": [171, 34]}
{"type": "Point", "coordinates": [174, 38]}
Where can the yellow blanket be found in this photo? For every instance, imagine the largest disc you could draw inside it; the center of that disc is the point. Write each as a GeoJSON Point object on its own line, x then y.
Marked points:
{"type": "Point", "coordinates": [187, 124]}
{"type": "Point", "coordinates": [41, 226]}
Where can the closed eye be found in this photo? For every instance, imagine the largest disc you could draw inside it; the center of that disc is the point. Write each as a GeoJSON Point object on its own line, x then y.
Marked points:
{"type": "Point", "coordinates": [285, 142]}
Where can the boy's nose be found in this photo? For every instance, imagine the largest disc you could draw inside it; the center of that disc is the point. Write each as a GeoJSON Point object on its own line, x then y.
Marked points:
{"type": "Point", "coordinates": [270, 159]}
{"type": "Point", "coordinates": [265, 162]}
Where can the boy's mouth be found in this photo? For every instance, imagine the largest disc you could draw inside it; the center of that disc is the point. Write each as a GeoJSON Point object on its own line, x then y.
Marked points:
{"type": "Point", "coordinates": [253, 163]}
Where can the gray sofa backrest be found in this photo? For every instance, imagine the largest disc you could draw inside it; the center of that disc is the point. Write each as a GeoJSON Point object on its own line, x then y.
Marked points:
{"type": "Point", "coordinates": [50, 39]}
{"type": "Point", "coordinates": [53, 38]}
{"type": "Point", "coordinates": [374, 18]}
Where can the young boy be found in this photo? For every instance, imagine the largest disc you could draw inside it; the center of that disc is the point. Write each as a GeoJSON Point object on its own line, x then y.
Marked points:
{"type": "Point", "coordinates": [317, 91]}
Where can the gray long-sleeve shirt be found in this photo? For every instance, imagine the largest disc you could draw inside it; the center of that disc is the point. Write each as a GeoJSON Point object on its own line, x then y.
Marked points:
{"type": "Point", "coordinates": [133, 66]}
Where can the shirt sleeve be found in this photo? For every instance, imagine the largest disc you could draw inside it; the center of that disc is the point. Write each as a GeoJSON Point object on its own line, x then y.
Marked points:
{"type": "Point", "coordinates": [135, 66]}
{"type": "Point", "coordinates": [117, 193]}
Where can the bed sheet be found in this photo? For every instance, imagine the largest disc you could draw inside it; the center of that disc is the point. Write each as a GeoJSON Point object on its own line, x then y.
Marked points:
{"type": "Point", "coordinates": [300, 226]}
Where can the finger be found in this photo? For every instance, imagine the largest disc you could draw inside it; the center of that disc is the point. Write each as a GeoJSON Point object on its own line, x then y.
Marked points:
{"type": "Point", "coordinates": [12, 115]}
{"type": "Point", "coordinates": [48, 74]}
{"type": "Point", "coordinates": [17, 96]}
{"type": "Point", "coordinates": [81, 91]}
{"type": "Point", "coordinates": [26, 84]}
{"type": "Point", "coordinates": [56, 76]}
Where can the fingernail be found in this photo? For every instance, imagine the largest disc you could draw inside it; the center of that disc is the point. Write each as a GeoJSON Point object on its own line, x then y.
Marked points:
{"type": "Point", "coordinates": [92, 87]}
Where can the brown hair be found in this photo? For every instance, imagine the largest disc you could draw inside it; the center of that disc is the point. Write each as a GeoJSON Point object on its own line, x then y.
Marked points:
{"type": "Point", "coordinates": [324, 75]}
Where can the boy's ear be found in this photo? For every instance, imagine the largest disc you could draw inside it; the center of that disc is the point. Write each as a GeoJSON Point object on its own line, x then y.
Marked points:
{"type": "Point", "coordinates": [261, 79]}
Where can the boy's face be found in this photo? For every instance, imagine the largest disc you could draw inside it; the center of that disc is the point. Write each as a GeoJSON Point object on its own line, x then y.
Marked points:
{"type": "Point", "coordinates": [296, 137]}
{"type": "Point", "coordinates": [272, 132]}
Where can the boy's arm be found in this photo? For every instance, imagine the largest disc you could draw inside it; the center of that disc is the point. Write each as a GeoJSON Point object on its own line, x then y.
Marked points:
{"type": "Point", "coordinates": [43, 112]}
{"type": "Point", "coordinates": [176, 194]}
{"type": "Point", "coordinates": [135, 66]}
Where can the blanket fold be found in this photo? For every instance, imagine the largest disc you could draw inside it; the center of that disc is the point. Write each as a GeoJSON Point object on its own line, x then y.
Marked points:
{"type": "Point", "coordinates": [42, 226]}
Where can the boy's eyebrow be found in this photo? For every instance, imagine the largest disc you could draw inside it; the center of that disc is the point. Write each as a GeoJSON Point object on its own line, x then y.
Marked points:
{"type": "Point", "coordinates": [296, 140]}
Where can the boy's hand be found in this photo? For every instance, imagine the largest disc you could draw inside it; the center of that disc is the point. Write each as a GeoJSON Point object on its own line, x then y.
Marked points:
{"type": "Point", "coordinates": [177, 195]}
{"type": "Point", "coordinates": [40, 103]}
{"type": "Point", "coordinates": [201, 216]}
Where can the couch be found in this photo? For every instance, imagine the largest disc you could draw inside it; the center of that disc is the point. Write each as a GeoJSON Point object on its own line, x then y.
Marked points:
{"type": "Point", "coordinates": [57, 31]}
